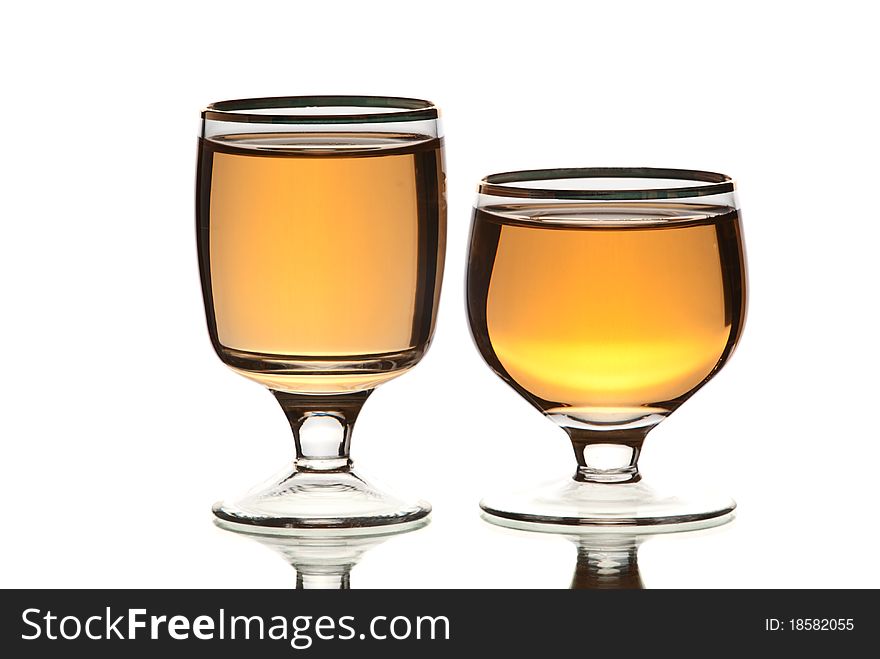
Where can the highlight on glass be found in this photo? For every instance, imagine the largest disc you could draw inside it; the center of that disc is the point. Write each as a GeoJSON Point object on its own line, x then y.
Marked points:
{"type": "Point", "coordinates": [606, 297]}
{"type": "Point", "coordinates": [321, 226]}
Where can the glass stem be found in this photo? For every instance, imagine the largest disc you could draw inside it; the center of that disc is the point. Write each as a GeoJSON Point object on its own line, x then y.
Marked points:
{"type": "Point", "coordinates": [607, 456]}
{"type": "Point", "coordinates": [322, 426]}
{"type": "Point", "coordinates": [323, 580]}
{"type": "Point", "coordinates": [607, 564]}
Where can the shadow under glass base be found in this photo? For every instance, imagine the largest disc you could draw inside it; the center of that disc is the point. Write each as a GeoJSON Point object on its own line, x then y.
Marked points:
{"type": "Point", "coordinates": [319, 500]}
{"type": "Point", "coordinates": [573, 504]}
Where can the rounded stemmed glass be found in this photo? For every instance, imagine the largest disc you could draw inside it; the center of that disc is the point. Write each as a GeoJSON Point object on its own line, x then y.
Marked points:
{"type": "Point", "coordinates": [606, 297]}
{"type": "Point", "coordinates": [321, 227]}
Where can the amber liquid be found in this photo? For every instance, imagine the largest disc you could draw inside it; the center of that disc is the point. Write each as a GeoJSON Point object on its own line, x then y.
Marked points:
{"type": "Point", "coordinates": [601, 311]}
{"type": "Point", "coordinates": [321, 255]}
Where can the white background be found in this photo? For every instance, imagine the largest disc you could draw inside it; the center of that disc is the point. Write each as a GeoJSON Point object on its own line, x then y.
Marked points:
{"type": "Point", "coordinates": [120, 426]}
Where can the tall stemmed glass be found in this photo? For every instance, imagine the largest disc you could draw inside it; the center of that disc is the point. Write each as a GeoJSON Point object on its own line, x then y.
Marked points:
{"type": "Point", "coordinates": [321, 232]}
{"type": "Point", "coordinates": [606, 297]}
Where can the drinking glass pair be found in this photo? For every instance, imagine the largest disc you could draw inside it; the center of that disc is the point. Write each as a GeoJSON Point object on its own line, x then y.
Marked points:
{"type": "Point", "coordinates": [604, 296]}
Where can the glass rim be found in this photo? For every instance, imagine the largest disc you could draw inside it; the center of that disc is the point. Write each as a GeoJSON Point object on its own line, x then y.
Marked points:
{"type": "Point", "coordinates": [707, 183]}
{"type": "Point", "coordinates": [386, 109]}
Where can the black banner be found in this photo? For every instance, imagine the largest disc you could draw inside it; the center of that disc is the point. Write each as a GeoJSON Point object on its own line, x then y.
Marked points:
{"type": "Point", "coordinates": [278, 623]}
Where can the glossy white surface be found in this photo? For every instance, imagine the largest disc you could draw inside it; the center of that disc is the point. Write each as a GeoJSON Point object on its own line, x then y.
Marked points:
{"type": "Point", "coordinates": [120, 427]}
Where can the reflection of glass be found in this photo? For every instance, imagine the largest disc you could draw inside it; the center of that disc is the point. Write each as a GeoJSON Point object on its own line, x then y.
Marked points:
{"type": "Point", "coordinates": [324, 559]}
{"type": "Point", "coordinates": [606, 298]}
{"type": "Point", "coordinates": [321, 233]}
{"type": "Point", "coordinates": [608, 556]}
{"type": "Point", "coordinates": [607, 562]}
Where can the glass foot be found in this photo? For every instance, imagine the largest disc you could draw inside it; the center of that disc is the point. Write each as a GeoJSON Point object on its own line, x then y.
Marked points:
{"type": "Point", "coordinates": [573, 504]}
{"type": "Point", "coordinates": [319, 500]}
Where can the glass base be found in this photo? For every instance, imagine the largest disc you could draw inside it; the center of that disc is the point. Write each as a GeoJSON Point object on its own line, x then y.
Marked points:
{"type": "Point", "coordinates": [322, 500]}
{"type": "Point", "coordinates": [571, 505]}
